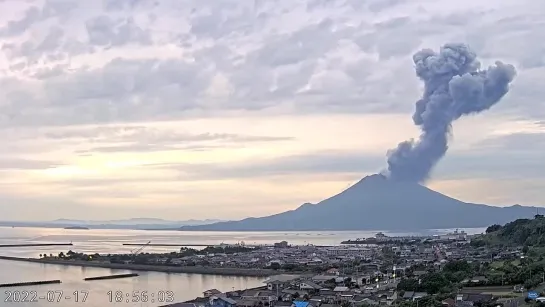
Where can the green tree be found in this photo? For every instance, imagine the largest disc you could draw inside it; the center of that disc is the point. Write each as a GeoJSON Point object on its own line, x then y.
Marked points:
{"type": "Point", "coordinates": [434, 282]}
{"type": "Point", "coordinates": [457, 266]}
{"type": "Point", "coordinates": [429, 301]}
{"type": "Point", "coordinates": [493, 228]}
{"type": "Point", "coordinates": [408, 284]}
{"type": "Point", "coordinates": [289, 266]}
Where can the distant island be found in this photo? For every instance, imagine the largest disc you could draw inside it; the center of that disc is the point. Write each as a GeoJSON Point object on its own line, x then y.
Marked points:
{"type": "Point", "coordinates": [76, 227]}
{"type": "Point", "coordinates": [379, 203]}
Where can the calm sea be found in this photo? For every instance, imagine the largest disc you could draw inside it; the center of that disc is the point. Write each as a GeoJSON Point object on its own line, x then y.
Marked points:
{"type": "Point", "coordinates": [182, 286]}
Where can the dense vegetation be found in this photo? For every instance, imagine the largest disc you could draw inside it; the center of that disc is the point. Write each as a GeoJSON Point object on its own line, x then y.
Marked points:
{"type": "Point", "coordinates": [528, 232]}
{"type": "Point", "coordinates": [444, 281]}
{"type": "Point", "coordinates": [528, 272]}
{"type": "Point", "coordinates": [145, 258]}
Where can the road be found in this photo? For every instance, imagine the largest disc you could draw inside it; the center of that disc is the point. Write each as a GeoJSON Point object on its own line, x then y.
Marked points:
{"type": "Point", "coordinates": [519, 301]}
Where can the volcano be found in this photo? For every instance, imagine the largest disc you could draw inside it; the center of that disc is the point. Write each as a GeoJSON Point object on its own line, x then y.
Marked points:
{"type": "Point", "coordinates": [376, 202]}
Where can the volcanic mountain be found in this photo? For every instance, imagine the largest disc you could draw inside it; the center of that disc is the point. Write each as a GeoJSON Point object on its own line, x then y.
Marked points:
{"type": "Point", "coordinates": [376, 202]}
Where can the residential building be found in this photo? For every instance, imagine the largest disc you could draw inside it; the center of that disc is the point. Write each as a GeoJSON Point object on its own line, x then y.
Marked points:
{"type": "Point", "coordinates": [211, 292]}
{"type": "Point", "coordinates": [220, 301]}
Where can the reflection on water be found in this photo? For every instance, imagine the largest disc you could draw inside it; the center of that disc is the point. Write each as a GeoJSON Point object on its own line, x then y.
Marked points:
{"type": "Point", "coordinates": [106, 241]}
{"type": "Point", "coordinates": [183, 286]}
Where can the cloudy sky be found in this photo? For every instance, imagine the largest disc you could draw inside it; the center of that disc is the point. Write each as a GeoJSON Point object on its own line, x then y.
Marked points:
{"type": "Point", "coordinates": [232, 108]}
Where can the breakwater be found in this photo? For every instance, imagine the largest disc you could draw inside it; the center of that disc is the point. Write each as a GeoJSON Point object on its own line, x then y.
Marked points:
{"type": "Point", "coordinates": [36, 244]}
{"type": "Point", "coordinates": [153, 268]}
{"type": "Point", "coordinates": [111, 276]}
{"type": "Point", "coordinates": [30, 283]}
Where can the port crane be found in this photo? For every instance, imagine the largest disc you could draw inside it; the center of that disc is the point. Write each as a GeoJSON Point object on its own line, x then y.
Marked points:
{"type": "Point", "coordinates": [139, 250]}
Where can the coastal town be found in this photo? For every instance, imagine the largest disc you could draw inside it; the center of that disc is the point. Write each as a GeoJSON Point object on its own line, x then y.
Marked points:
{"type": "Point", "coordinates": [453, 269]}
{"type": "Point", "coordinates": [371, 275]}
{"type": "Point", "coordinates": [391, 274]}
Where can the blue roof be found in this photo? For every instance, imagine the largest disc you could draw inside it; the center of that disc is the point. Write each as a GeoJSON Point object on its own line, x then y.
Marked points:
{"type": "Point", "coordinates": [300, 304]}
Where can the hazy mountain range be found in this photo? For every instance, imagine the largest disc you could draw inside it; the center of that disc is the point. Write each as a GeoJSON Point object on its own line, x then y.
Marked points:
{"type": "Point", "coordinates": [377, 203]}
{"type": "Point", "coordinates": [134, 223]}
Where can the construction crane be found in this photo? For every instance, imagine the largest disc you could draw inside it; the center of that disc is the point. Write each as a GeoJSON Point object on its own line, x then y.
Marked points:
{"type": "Point", "coordinates": [139, 250]}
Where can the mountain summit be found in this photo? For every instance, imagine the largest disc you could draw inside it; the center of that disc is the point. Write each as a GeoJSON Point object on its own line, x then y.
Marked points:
{"type": "Point", "coordinates": [376, 202]}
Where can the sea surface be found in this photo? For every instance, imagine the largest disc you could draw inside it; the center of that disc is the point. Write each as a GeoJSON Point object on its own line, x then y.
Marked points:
{"type": "Point", "coordinates": [158, 285]}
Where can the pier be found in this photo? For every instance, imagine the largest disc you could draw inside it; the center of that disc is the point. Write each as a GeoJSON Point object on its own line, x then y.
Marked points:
{"type": "Point", "coordinates": [30, 283]}
{"type": "Point", "coordinates": [111, 276]}
{"type": "Point", "coordinates": [36, 244]}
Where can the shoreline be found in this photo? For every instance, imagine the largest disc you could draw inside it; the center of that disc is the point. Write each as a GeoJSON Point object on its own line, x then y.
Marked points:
{"type": "Point", "coordinates": [152, 268]}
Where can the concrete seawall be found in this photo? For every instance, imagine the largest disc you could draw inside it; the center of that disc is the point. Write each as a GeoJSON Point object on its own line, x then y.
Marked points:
{"type": "Point", "coordinates": [153, 268]}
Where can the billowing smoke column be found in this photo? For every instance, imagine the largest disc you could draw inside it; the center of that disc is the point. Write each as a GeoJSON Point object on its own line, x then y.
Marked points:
{"type": "Point", "coordinates": [454, 86]}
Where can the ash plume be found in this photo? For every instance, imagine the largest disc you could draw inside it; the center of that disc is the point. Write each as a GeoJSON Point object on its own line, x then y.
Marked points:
{"type": "Point", "coordinates": [454, 86]}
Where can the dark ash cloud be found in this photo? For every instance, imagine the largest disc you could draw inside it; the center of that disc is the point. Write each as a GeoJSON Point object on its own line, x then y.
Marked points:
{"type": "Point", "coordinates": [454, 86]}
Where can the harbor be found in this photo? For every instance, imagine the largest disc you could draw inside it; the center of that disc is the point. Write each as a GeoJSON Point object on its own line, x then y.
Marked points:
{"type": "Point", "coordinates": [381, 239]}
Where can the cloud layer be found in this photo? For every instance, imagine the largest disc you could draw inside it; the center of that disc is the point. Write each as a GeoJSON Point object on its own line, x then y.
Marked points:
{"type": "Point", "coordinates": [143, 104]}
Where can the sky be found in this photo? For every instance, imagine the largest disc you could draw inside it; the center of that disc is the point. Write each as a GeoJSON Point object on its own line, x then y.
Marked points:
{"type": "Point", "coordinates": [226, 109]}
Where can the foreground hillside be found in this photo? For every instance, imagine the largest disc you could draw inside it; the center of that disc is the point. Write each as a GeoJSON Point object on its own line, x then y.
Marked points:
{"type": "Point", "coordinates": [377, 203]}
{"type": "Point", "coordinates": [529, 232]}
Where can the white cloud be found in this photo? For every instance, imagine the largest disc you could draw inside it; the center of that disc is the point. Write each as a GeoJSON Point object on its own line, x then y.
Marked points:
{"type": "Point", "coordinates": [241, 88]}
